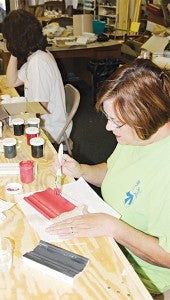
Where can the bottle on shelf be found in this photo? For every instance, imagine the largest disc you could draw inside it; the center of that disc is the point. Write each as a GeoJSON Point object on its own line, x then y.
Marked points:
{"type": "Point", "coordinates": [167, 48]}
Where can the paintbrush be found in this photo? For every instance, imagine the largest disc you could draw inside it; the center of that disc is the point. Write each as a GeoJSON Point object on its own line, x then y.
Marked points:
{"type": "Point", "coordinates": [59, 171]}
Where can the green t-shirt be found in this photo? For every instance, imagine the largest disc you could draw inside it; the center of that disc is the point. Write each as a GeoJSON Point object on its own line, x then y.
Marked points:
{"type": "Point", "coordinates": [137, 185]}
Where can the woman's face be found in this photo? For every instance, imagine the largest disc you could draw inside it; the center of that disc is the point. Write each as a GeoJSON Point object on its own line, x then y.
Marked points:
{"type": "Point", "coordinates": [124, 134]}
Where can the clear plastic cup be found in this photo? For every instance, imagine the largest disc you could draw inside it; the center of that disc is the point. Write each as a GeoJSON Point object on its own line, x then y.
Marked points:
{"type": "Point", "coordinates": [5, 254]}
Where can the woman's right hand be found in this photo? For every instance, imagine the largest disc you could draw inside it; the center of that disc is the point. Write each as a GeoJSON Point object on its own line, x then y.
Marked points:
{"type": "Point", "coordinates": [71, 167]}
{"type": "Point", "coordinates": [92, 174]}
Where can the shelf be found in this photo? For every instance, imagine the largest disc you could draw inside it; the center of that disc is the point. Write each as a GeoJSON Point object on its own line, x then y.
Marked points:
{"type": "Point", "coordinates": [108, 10]}
{"type": "Point", "coordinates": [107, 16]}
{"type": "Point", "coordinates": [88, 8]}
{"type": "Point", "coordinates": [108, 6]}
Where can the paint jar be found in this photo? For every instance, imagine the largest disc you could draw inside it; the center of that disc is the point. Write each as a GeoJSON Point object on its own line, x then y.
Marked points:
{"type": "Point", "coordinates": [1, 128]}
{"type": "Point", "coordinates": [31, 132]}
{"type": "Point", "coordinates": [9, 145]}
{"type": "Point", "coordinates": [37, 145]}
{"type": "Point", "coordinates": [26, 171]}
{"type": "Point", "coordinates": [34, 122]}
{"type": "Point", "coordinates": [18, 125]}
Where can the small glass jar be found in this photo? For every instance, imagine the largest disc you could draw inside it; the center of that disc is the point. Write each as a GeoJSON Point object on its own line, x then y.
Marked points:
{"type": "Point", "coordinates": [18, 125]}
{"type": "Point", "coordinates": [26, 171]}
{"type": "Point", "coordinates": [34, 122]}
{"type": "Point", "coordinates": [9, 145]}
{"type": "Point", "coordinates": [31, 132]}
{"type": "Point", "coordinates": [37, 145]}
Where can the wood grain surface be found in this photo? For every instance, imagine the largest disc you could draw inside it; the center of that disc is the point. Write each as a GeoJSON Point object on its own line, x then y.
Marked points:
{"type": "Point", "coordinates": [108, 274]}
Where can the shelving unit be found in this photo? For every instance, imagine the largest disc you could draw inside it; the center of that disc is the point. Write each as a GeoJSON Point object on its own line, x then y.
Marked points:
{"type": "Point", "coordinates": [89, 7]}
{"type": "Point", "coordinates": [108, 11]}
{"type": "Point", "coordinates": [116, 15]}
{"type": "Point", "coordinates": [114, 12]}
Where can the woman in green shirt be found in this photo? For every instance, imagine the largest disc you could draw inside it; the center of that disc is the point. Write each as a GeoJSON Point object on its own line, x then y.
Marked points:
{"type": "Point", "coordinates": [136, 178]}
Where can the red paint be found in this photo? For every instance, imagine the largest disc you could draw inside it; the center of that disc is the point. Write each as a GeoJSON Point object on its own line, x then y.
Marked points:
{"type": "Point", "coordinates": [26, 171]}
{"type": "Point", "coordinates": [30, 136]}
{"type": "Point", "coordinates": [49, 203]}
{"type": "Point", "coordinates": [31, 132]}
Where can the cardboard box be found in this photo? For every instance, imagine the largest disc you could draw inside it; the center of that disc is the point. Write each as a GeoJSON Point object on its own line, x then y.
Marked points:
{"type": "Point", "coordinates": [24, 107]}
{"type": "Point", "coordinates": [21, 109]}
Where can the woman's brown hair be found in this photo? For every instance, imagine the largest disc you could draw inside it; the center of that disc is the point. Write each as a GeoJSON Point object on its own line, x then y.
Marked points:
{"type": "Point", "coordinates": [23, 34]}
{"type": "Point", "coordinates": [141, 96]}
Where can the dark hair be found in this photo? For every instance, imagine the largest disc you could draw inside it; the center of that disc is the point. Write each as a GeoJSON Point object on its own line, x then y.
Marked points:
{"type": "Point", "coordinates": [23, 33]}
{"type": "Point", "coordinates": [141, 96]}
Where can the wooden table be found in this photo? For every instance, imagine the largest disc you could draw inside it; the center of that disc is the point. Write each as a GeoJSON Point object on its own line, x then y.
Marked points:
{"type": "Point", "coordinates": [111, 48]}
{"type": "Point", "coordinates": [5, 90]}
{"type": "Point", "coordinates": [74, 59]}
{"type": "Point", "coordinates": [108, 274]}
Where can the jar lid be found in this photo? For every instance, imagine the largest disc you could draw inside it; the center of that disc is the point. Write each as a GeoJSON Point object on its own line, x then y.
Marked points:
{"type": "Point", "coordinates": [32, 130]}
{"type": "Point", "coordinates": [33, 121]}
{"type": "Point", "coordinates": [17, 121]}
{"type": "Point", "coordinates": [37, 141]}
{"type": "Point", "coordinates": [9, 142]}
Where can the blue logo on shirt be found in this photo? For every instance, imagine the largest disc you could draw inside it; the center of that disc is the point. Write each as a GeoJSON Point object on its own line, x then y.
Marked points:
{"type": "Point", "coordinates": [132, 195]}
{"type": "Point", "coordinates": [129, 199]}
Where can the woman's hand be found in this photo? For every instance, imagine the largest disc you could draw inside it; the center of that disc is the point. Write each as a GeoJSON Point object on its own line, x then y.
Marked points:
{"type": "Point", "coordinates": [69, 166]}
{"type": "Point", "coordinates": [92, 174]}
{"type": "Point", "coordinates": [87, 225]}
{"type": "Point", "coordinates": [12, 73]}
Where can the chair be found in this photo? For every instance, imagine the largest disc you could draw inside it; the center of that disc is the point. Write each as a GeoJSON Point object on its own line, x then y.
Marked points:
{"type": "Point", "coordinates": [72, 103]}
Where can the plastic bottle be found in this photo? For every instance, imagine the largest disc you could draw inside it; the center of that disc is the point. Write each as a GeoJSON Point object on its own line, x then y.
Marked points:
{"type": "Point", "coordinates": [167, 48]}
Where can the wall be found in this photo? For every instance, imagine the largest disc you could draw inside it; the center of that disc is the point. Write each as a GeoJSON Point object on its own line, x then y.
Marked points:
{"type": "Point", "coordinates": [12, 4]}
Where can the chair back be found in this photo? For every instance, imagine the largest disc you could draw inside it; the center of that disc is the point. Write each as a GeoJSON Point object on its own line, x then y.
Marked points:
{"type": "Point", "coordinates": [72, 98]}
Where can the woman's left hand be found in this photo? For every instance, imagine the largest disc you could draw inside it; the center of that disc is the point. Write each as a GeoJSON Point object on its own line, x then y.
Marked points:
{"type": "Point", "coordinates": [88, 225]}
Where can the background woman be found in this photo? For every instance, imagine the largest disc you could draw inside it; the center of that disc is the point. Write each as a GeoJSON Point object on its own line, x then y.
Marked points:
{"type": "Point", "coordinates": [39, 72]}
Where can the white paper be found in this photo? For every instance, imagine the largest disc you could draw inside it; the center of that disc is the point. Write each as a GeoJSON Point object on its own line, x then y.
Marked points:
{"type": "Point", "coordinates": [83, 194]}
{"type": "Point", "coordinates": [155, 44]}
{"type": "Point", "coordinates": [8, 168]}
{"type": "Point", "coordinates": [3, 207]}
{"type": "Point", "coordinates": [8, 99]}
{"type": "Point", "coordinates": [162, 62]}
{"type": "Point", "coordinates": [80, 194]}
{"type": "Point", "coordinates": [2, 218]}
